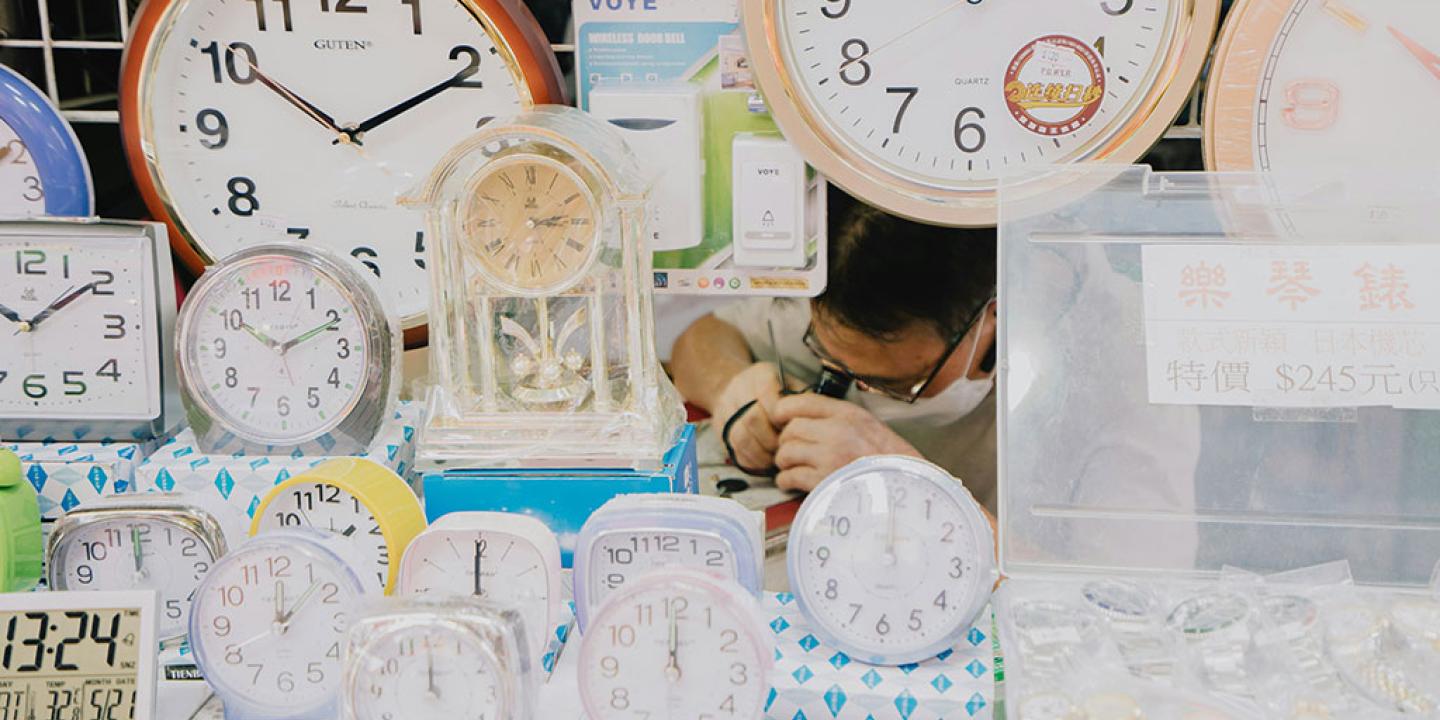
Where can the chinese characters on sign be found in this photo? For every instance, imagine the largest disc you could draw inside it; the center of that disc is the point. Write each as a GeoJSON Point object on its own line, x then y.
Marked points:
{"type": "Point", "coordinates": [1292, 326]}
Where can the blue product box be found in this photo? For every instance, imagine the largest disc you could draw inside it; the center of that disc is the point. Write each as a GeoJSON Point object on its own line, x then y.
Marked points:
{"type": "Point", "coordinates": [562, 499]}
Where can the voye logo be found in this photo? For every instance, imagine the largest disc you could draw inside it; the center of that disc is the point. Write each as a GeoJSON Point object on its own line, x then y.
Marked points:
{"type": "Point", "coordinates": [624, 4]}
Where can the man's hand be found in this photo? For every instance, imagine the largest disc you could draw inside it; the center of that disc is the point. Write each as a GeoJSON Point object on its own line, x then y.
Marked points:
{"type": "Point", "coordinates": [754, 436]}
{"type": "Point", "coordinates": [822, 435]}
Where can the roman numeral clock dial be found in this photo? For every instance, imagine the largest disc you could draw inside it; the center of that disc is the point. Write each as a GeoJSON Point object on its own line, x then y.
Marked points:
{"type": "Point", "coordinates": [922, 107]}
{"type": "Point", "coordinates": [251, 121]}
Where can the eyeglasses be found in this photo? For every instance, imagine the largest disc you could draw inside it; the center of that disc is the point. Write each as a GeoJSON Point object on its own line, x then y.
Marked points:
{"type": "Point", "coordinates": [901, 390]}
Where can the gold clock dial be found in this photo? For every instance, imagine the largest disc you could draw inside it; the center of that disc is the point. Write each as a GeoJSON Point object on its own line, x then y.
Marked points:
{"type": "Point", "coordinates": [531, 226]}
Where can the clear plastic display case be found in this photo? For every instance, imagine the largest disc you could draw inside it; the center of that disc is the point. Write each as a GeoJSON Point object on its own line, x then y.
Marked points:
{"type": "Point", "coordinates": [1200, 374]}
{"type": "Point", "coordinates": [542, 324]}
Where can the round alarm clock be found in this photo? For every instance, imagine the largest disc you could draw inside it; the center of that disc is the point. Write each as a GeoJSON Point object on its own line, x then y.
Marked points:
{"type": "Point", "coordinates": [500, 557]}
{"type": "Point", "coordinates": [676, 643]}
{"type": "Point", "coordinates": [438, 658]}
{"type": "Point", "coordinates": [1307, 91]}
{"type": "Point", "coordinates": [160, 542]}
{"type": "Point", "coordinates": [43, 170]}
{"type": "Point", "coordinates": [23, 548]}
{"type": "Point", "coordinates": [368, 507]}
{"type": "Point", "coordinates": [287, 347]}
{"type": "Point", "coordinates": [856, 87]}
{"type": "Point", "coordinates": [268, 625]}
{"type": "Point", "coordinates": [632, 534]}
{"type": "Point", "coordinates": [251, 122]}
{"type": "Point", "coordinates": [890, 560]}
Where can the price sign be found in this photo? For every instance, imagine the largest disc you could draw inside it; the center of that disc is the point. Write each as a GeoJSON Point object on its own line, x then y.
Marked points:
{"type": "Point", "coordinates": [77, 655]}
{"type": "Point", "coordinates": [1293, 326]}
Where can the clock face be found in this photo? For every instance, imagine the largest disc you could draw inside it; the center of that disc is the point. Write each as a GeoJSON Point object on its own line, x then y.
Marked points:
{"type": "Point", "coordinates": [1306, 90]}
{"type": "Point", "coordinates": [428, 671]}
{"type": "Point", "coordinates": [1012, 90]}
{"type": "Point", "coordinates": [887, 564]}
{"type": "Point", "coordinates": [305, 120]}
{"type": "Point", "coordinates": [531, 226]}
{"type": "Point", "coordinates": [494, 565]}
{"type": "Point", "coordinates": [620, 556]}
{"type": "Point", "coordinates": [79, 318]}
{"type": "Point", "coordinates": [137, 553]}
{"type": "Point", "coordinates": [22, 193]}
{"type": "Point", "coordinates": [269, 625]}
{"type": "Point", "coordinates": [674, 648]}
{"type": "Point", "coordinates": [330, 508]}
{"type": "Point", "coordinates": [276, 350]}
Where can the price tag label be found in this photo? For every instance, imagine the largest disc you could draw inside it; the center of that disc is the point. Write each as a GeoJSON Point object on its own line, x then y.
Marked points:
{"type": "Point", "coordinates": [1292, 326]}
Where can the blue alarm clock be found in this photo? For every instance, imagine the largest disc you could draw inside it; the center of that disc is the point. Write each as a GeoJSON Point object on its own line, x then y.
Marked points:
{"type": "Point", "coordinates": [42, 167]}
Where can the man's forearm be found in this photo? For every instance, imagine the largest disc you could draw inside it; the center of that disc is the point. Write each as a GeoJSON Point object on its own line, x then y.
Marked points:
{"type": "Point", "coordinates": [706, 356]}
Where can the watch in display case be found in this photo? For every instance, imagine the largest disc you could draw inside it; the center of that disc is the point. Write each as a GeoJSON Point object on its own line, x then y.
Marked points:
{"type": "Point", "coordinates": [363, 504]}
{"type": "Point", "coordinates": [633, 534]}
{"type": "Point", "coordinates": [248, 123]}
{"type": "Point", "coordinates": [287, 347]}
{"type": "Point", "coordinates": [1216, 625]}
{"type": "Point", "coordinates": [43, 170]}
{"type": "Point", "coordinates": [676, 643]}
{"type": "Point", "coordinates": [88, 310]}
{"type": "Point", "coordinates": [150, 541]}
{"type": "Point", "coordinates": [493, 556]}
{"type": "Point", "coordinates": [23, 549]}
{"type": "Point", "coordinates": [891, 560]}
{"type": "Point", "coordinates": [439, 657]}
{"type": "Point", "coordinates": [852, 86]}
{"type": "Point", "coordinates": [542, 322]}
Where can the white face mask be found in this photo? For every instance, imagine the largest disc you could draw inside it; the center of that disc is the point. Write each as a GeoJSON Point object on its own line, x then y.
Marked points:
{"type": "Point", "coordinates": [946, 408]}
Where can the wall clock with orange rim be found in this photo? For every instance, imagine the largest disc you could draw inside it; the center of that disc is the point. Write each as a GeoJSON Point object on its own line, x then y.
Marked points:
{"type": "Point", "coordinates": [1325, 93]}
{"type": "Point", "coordinates": [921, 107]}
{"type": "Point", "coordinates": [250, 121]}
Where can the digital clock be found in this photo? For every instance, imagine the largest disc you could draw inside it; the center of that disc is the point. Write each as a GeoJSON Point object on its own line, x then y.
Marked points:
{"type": "Point", "coordinates": [78, 655]}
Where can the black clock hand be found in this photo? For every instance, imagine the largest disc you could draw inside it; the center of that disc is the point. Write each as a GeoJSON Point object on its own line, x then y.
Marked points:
{"type": "Point", "coordinates": [406, 106]}
{"type": "Point", "coordinates": [478, 588]}
{"type": "Point", "coordinates": [10, 315]}
{"type": "Point", "coordinates": [70, 296]}
{"type": "Point", "coordinates": [302, 104]}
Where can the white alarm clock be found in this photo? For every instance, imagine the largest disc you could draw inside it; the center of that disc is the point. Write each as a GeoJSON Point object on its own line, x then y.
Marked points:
{"type": "Point", "coordinates": [676, 643]}
{"type": "Point", "coordinates": [150, 541]}
{"type": "Point", "coordinates": [891, 559]}
{"type": "Point", "coordinates": [500, 557]}
{"type": "Point", "coordinates": [632, 534]}
{"type": "Point", "coordinates": [452, 658]}
{"type": "Point", "coordinates": [269, 621]}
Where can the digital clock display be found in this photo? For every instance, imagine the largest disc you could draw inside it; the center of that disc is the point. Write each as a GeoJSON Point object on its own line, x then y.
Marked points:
{"type": "Point", "coordinates": [69, 664]}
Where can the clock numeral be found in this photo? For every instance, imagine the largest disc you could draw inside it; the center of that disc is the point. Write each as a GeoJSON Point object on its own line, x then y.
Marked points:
{"type": "Point", "coordinates": [1311, 104]}
{"type": "Point", "coordinates": [26, 262]}
{"type": "Point", "coordinates": [822, 554]}
{"type": "Point", "coordinates": [739, 673]}
{"type": "Point", "coordinates": [220, 348]}
{"type": "Point", "coordinates": [854, 51]}
{"type": "Point", "coordinates": [114, 327]}
{"type": "Point", "coordinates": [280, 290]}
{"type": "Point", "coordinates": [610, 666]}
{"type": "Point", "coordinates": [949, 535]}
{"type": "Point", "coordinates": [620, 698]}
{"type": "Point", "coordinates": [420, 249]}
{"type": "Point", "coordinates": [622, 635]}
{"type": "Point", "coordinates": [941, 602]}
{"type": "Point", "coordinates": [233, 70]}
{"type": "Point", "coordinates": [882, 625]}
{"type": "Point", "coordinates": [334, 320]}
{"type": "Point", "coordinates": [73, 384]}
{"type": "Point", "coordinates": [109, 279]}
{"type": "Point", "coordinates": [254, 394]}
{"type": "Point", "coordinates": [344, 6]}
{"type": "Point", "coordinates": [834, 14]}
{"type": "Point", "coordinates": [956, 568]}
{"type": "Point", "coordinates": [975, 130]}
{"type": "Point", "coordinates": [34, 386]}
{"type": "Point", "coordinates": [252, 299]}
{"type": "Point", "coordinates": [212, 123]}
{"type": "Point", "coordinates": [260, 14]}
{"type": "Point", "coordinates": [33, 191]}
{"type": "Point", "coordinates": [909, 93]}
{"type": "Point", "coordinates": [473, 68]}
{"type": "Point", "coordinates": [729, 639]}
{"type": "Point", "coordinates": [832, 589]}
{"type": "Point", "coordinates": [232, 377]}
{"type": "Point", "coordinates": [20, 153]}
{"type": "Point", "coordinates": [367, 257]}
{"type": "Point", "coordinates": [714, 558]}
{"type": "Point", "coordinates": [414, 14]}
{"type": "Point", "coordinates": [282, 406]}
{"type": "Point", "coordinates": [343, 345]}
{"type": "Point", "coordinates": [3, 374]}
{"type": "Point", "coordinates": [334, 378]}
{"type": "Point", "coordinates": [234, 320]}
{"type": "Point", "coordinates": [839, 526]}
{"type": "Point", "coordinates": [110, 369]}
{"type": "Point", "coordinates": [915, 621]}
{"type": "Point", "coordinates": [1124, 8]}
{"type": "Point", "coordinates": [312, 397]}
{"type": "Point", "coordinates": [242, 200]}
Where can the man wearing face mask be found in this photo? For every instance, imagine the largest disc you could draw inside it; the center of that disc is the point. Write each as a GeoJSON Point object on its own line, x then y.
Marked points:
{"type": "Point", "coordinates": [908, 317]}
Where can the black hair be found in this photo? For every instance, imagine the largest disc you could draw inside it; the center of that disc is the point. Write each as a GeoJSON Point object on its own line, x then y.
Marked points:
{"type": "Point", "coordinates": [887, 273]}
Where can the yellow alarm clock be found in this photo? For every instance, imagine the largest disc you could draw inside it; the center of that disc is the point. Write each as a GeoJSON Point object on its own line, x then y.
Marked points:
{"type": "Point", "coordinates": [364, 502]}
